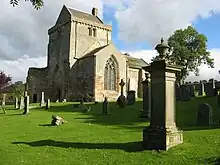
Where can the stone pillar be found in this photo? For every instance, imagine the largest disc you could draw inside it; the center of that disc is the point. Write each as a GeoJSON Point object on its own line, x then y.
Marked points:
{"type": "Point", "coordinates": [16, 103]}
{"type": "Point", "coordinates": [21, 103]}
{"type": "Point", "coordinates": [201, 89]}
{"type": "Point", "coordinates": [146, 97]}
{"type": "Point", "coordinates": [42, 99]}
{"type": "Point", "coordinates": [47, 104]}
{"type": "Point", "coordinates": [26, 105]}
{"type": "Point", "coordinates": [3, 99]}
{"type": "Point", "coordinates": [162, 133]}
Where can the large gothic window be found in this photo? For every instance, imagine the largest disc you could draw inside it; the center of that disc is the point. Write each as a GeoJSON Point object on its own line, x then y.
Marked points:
{"type": "Point", "coordinates": [110, 75]}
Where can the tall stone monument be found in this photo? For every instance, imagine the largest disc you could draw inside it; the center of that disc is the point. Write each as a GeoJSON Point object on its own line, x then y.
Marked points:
{"type": "Point", "coordinates": [162, 133]}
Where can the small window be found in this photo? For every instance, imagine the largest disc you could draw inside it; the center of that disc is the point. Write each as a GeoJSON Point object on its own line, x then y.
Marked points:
{"type": "Point", "coordinates": [90, 32]}
{"type": "Point", "coordinates": [94, 33]}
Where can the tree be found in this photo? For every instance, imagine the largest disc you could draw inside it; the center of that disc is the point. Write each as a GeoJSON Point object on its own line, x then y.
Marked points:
{"type": "Point", "coordinates": [189, 50]}
{"type": "Point", "coordinates": [37, 4]}
{"type": "Point", "coordinates": [4, 81]}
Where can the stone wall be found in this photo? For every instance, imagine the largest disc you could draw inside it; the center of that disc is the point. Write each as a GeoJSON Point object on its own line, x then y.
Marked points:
{"type": "Point", "coordinates": [81, 78]}
{"type": "Point", "coordinates": [82, 43]}
{"type": "Point", "coordinates": [101, 59]}
{"type": "Point", "coordinates": [37, 82]}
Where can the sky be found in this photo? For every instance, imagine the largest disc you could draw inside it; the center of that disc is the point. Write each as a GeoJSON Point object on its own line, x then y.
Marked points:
{"type": "Point", "coordinates": [137, 27]}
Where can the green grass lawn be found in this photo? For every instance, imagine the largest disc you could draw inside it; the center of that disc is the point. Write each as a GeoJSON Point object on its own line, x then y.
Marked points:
{"type": "Point", "coordinates": [93, 139]}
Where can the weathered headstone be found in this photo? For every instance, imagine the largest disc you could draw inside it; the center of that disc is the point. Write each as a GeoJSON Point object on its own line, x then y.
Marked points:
{"type": "Point", "coordinates": [47, 104]}
{"type": "Point", "coordinates": [105, 106]}
{"type": "Point", "coordinates": [57, 120]}
{"type": "Point", "coordinates": [185, 93]}
{"type": "Point", "coordinates": [204, 115]}
{"type": "Point", "coordinates": [21, 103]}
{"type": "Point", "coordinates": [146, 97]}
{"type": "Point", "coordinates": [64, 101]}
{"type": "Point", "coordinates": [131, 97]}
{"type": "Point", "coordinates": [162, 133]}
{"type": "Point", "coordinates": [178, 92]}
{"type": "Point", "coordinates": [16, 103]}
{"type": "Point", "coordinates": [121, 101]}
{"type": "Point", "coordinates": [201, 89]}
{"type": "Point", "coordinates": [3, 102]}
{"type": "Point", "coordinates": [42, 102]}
{"type": "Point", "coordinates": [210, 88]}
{"type": "Point", "coordinates": [26, 105]}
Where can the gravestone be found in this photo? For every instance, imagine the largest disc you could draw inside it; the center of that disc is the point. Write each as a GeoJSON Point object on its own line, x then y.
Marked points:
{"type": "Point", "coordinates": [131, 97]}
{"type": "Point", "coordinates": [42, 102]}
{"type": "Point", "coordinates": [201, 89]}
{"type": "Point", "coordinates": [191, 89]}
{"type": "Point", "coordinates": [204, 115]}
{"type": "Point", "coordinates": [146, 97]}
{"type": "Point", "coordinates": [185, 93]}
{"type": "Point", "coordinates": [105, 106]}
{"type": "Point", "coordinates": [26, 105]}
{"type": "Point", "coordinates": [16, 103]}
{"type": "Point", "coordinates": [178, 92]}
{"type": "Point", "coordinates": [47, 104]}
{"type": "Point", "coordinates": [3, 99]}
{"type": "Point", "coordinates": [121, 101]}
{"type": "Point", "coordinates": [162, 133]}
{"type": "Point", "coordinates": [64, 101]}
{"type": "Point", "coordinates": [3, 102]}
{"type": "Point", "coordinates": [210, 88]}
{"type": "Point", "coordinates": [21, 103]}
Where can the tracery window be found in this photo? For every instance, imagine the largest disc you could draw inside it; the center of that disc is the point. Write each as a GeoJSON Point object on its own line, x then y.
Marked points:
{"type": "Point", "coordinates": [110, 75]}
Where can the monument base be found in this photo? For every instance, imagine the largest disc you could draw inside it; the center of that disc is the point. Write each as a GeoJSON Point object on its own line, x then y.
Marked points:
{"type": "Point", "coordinates": [144, 115]}
{"type": "Point", "coordinates": [161, 138]}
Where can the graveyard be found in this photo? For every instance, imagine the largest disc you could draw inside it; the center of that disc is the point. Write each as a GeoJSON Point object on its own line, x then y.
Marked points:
{"type": "Point", "coordinates": [91, 138]}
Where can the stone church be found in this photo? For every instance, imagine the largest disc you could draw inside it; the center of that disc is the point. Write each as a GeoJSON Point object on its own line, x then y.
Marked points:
{"type": "Point", "coordinates": [82, 60]}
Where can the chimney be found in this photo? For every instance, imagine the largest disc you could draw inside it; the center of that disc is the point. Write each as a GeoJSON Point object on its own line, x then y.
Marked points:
{"type": "Point", "coordinates": [94, 11]}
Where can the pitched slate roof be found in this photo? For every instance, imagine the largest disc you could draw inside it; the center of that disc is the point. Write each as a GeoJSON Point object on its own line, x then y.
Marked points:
{"type": "Point", "coordinates": [84, 15]}
{"type": "Point", "coordinates": [136, 62]}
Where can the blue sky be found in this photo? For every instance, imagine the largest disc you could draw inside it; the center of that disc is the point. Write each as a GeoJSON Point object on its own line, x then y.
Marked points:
{"type": "Point", "coordinates": [24, 36]}
{"type": "Point", "coordinates": [209, 27]}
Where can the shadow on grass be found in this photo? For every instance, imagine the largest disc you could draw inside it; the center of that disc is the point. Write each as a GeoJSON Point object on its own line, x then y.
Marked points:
{"type": "Point", "coordinates": [186, 113]}
{"type": "Point", "coordinates": [128, 147]}
{"type": "Point", "coordinates": [46, 125]}
{"type": "Point", "coordinates": [213, 160]}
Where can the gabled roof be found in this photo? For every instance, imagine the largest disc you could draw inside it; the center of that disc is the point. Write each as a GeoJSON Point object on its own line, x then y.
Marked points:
{"type": "Point", "coordinates": [136, 62]}
{"type": "Point", "coordinates": [84, 15]}
{"type": "Point", "coordinates": [93, 52]}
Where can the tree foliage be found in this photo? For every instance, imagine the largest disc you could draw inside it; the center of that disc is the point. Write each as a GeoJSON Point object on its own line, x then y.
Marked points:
{"type": "Point", "coordinates": [189, 50]}
{"type": "Point", "coordinates": [37, 4]}
{"type": "Point", "coordinates": [4, 81]}
{"type": "Point", "coordinates": [17, 89]}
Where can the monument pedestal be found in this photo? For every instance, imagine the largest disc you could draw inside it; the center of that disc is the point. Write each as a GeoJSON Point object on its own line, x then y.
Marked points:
{"type": "Point", "coordinates": [162, 133]}
{"type": "Point", "coordinates": [161, 138]}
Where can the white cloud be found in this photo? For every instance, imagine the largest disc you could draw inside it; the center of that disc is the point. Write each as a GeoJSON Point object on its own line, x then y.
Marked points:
{"type": "Point", "coordinates": [18, 69]}
{"type": "Point", "coordinates": [24, 30]}
{"type": "Point", "coordinates": [205, 72]}
{"type": "Point", "coordinates": [149, 20]}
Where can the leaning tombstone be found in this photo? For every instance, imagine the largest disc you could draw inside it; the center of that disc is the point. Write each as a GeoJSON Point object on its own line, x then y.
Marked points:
{"type": "Point", "coordinates": [47, 104]}
{"type": "Point", "coordinates": [26, 105]}
{"type": "Point", "coordinates": [204, 115]}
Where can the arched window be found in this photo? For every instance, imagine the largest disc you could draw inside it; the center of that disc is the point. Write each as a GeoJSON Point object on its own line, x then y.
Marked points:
{"type": "Point", "coordinates": [110, 75]}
